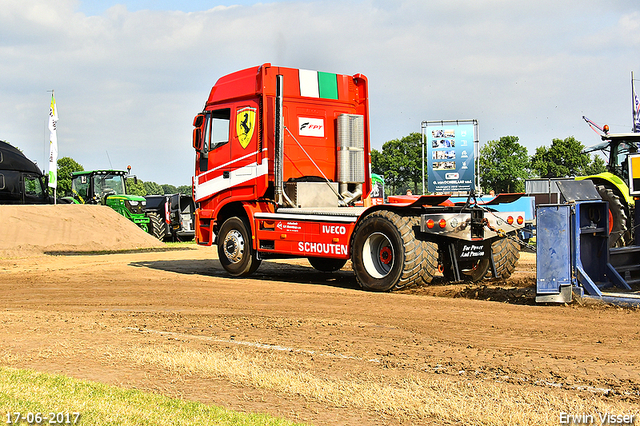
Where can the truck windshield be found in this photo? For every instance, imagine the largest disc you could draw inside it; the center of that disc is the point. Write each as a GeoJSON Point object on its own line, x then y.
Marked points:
{"type": "Point", "coordinates": [108, 184]}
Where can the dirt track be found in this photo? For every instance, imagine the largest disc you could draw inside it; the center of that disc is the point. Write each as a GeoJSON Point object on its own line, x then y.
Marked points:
{"type": "Point", "coordinates": [100, 317]}
{"type": "Point", "coordinates": [297, 343]}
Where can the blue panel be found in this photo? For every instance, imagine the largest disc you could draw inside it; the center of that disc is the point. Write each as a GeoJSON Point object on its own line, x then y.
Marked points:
{"type": "Point", "coordinates": [553, 252]}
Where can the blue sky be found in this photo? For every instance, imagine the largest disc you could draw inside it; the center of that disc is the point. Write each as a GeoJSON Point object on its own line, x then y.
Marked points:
{"type": "Point", "coordinates": [129, 77]}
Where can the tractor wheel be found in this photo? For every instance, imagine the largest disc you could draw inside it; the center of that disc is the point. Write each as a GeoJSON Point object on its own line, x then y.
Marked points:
{"type": "Point", "coordinates": [155, 226]}
{"type": "Point", "coordinates": [617, 217]}
{"type": "Point", "coordinates": [326, 264]}
{"type": "Point", "coordinates": [385, 253]}
{"type": "Point", "coordinates": [505, 257]}
{"type": "Point", "coordinates": [234, 248]}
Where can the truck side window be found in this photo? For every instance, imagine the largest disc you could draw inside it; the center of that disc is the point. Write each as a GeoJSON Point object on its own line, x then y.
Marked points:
{"type": "Point", "coordinates": [32, 186]}
{"type": "Point", "coordinates": [33, 191]}
{"type": "Point", "coordinates": [217, 131]}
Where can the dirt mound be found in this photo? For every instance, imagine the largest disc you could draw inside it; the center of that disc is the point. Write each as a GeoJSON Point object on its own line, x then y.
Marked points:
{"type": "Point", "coordinates": [68, 227]}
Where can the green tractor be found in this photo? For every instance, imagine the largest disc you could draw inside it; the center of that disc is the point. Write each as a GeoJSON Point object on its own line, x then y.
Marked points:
{"type": "Point", "coordinates": [109, 188]}
{"type": "Point", "coordinates": [613, 185]}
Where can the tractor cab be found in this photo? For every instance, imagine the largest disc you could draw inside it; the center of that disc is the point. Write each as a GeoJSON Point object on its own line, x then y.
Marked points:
{"type": "Point", "coordinates": [617, 148]}
{"type": "Point", "coordinates": [108, 188]}
{"type": "Point", "coordinates": [93, 187]}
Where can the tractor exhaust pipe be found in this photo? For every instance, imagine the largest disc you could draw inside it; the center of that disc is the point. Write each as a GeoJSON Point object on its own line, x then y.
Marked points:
{"type": "Point", "coordinates": [279, 143]}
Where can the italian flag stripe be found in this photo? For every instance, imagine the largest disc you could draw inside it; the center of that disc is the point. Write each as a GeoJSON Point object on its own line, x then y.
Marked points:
{"type": "Point", "coordinates": [316, 84]}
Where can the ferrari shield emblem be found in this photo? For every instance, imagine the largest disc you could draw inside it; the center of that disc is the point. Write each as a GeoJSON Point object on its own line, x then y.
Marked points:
{"type": "Point", "coordinates": [245, 123]}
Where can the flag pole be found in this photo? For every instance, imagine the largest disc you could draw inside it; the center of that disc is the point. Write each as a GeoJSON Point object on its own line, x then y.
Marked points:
{"type": "Point", "coordinates": [53, 147]}
{"type": "Point", "coordinates": [633, 103]}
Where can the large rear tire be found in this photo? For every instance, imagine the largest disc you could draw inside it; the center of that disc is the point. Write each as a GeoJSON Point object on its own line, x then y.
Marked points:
{"type": "Point", "coordinates": [618, 229]}
{"type": "Point", "coordinates": [326, 264]}
{"type": "Point", "coordinates": [506, 253]}
{"type": "Point", "coordinates": [429, 262]}
{"type": "Point", "coordinates": [155, 226]}
{"type": "Point", "coordinates": [234, 248]}
{"type": "Point", "coordinates": [386, 255]}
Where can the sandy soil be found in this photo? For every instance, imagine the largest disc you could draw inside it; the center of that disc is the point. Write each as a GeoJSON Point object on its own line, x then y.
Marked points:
{"type": "Point", "coordinates": [67, 227]}
{"type": "Point", "coordinates": [88, 316]}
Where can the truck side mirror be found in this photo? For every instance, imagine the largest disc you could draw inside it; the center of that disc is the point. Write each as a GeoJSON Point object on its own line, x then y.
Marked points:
{"type": "Point", "coordinates": [198, 123]}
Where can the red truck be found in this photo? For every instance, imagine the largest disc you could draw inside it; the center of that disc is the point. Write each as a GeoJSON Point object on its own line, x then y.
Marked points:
{"type": "Point", "coordinates": [282, 170]}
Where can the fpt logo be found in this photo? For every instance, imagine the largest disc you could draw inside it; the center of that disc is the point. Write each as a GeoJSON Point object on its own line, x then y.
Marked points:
{"type": "Point", "coordinates": [245, 123]}
{"type": "Point", "coordinates": [311, 127]}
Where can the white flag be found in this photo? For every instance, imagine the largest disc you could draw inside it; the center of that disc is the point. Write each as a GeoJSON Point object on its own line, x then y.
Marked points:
{"type": "Point", "coordinates": [53, 143]}
{"type": "Point", "coordinates": [636, 112]}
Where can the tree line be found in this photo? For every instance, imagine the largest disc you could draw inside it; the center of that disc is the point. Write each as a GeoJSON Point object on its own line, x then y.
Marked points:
{"type": "Point", "coordinates": [67, 165]}
{"type": "Point", "coordinates": [504, 164]}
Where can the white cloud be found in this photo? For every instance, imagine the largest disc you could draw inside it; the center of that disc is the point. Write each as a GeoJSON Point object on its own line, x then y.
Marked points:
{"type": "Point", "coordinates": [130, 82]}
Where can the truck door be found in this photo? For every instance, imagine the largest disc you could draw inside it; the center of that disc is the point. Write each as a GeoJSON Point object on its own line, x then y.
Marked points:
{"type": "Point", "coordinates": [213, 173]}
{"type": "Point", "coordinates": [245, 164]}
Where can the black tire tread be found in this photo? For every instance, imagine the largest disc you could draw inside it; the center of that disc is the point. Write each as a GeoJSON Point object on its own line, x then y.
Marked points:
{"type": "Point", "coordinates": [429, 262]}
{"type": "Point", "coordinates": [618, 236]}
{"type": "Point", "coordinates": [412, 256]}
{"type": "Point", "coordinates": [506, 254]}
{"type": "Point", "coordinates": [155, 225]}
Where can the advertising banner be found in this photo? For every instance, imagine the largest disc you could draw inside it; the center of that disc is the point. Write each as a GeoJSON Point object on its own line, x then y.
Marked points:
{"type": "Point", "coordinates": [451, 156]}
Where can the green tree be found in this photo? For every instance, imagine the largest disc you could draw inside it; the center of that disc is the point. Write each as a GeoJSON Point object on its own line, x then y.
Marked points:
{"type": "Point", "coordinates": [504, 165]}
{"type": "Point", "coordinates": [66, 165]}
{"type": "Point", "coordinates": [563, 158]}
{"type": "Point", "coordinates": [153, 188]}
{"type": "Point", "coordinates": [185, 189]}
{"type": "Point", "coordinates": [136, 188]}
{"type": "Point", "coordinates": [168, 189]}
{"type": "Point", "coordinates": [400, 162]}
{"type": "Point", "coordinates": [596, 166]}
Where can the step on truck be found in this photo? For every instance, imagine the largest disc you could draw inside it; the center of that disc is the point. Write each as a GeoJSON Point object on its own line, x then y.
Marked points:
{"type": "Point", "coordinates": [282, 169]}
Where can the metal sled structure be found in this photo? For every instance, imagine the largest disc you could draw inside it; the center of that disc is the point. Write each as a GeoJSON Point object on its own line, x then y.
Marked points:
{"type": "Point", "coordinates": [573, 254]}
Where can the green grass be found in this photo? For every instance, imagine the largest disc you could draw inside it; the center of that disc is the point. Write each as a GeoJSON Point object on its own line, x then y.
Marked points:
{"type": "Point", "coordinates": [26, 391]}
{"type": "Point", "coordinates": [181, 243]}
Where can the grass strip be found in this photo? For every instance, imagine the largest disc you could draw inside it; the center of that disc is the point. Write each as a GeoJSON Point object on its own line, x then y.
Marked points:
{"type": "Point", "coordinates": [471, 402]}
{"type": "Point", "coordinates": [123, 251]}
{"type": "Point", "coordinates": [26, 391]}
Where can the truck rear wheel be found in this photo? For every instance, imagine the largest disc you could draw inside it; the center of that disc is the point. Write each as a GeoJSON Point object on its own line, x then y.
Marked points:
{"type": "Point", "coordinates": [326, 264]}
{"type": "Point", "coordinates": [429, 261]}
{"type": "Point", "coordinates": [386, 255]}
{"type": "Point", "coordinates": [155, 226]}
{"type": "Point", "coordinates": [234, 248]}
{"type": "Point", "coordinates": [505, 256]}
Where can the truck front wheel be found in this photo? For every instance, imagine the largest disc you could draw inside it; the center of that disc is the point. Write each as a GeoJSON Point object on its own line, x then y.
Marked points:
{"type": "Point", "coordinates": [386, 255]}
{"type": "Point", "coordinates": [234, 248]}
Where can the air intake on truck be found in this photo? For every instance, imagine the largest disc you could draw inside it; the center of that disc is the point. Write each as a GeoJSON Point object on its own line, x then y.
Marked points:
{"type": "Point", "coordinates": [351, 153]}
